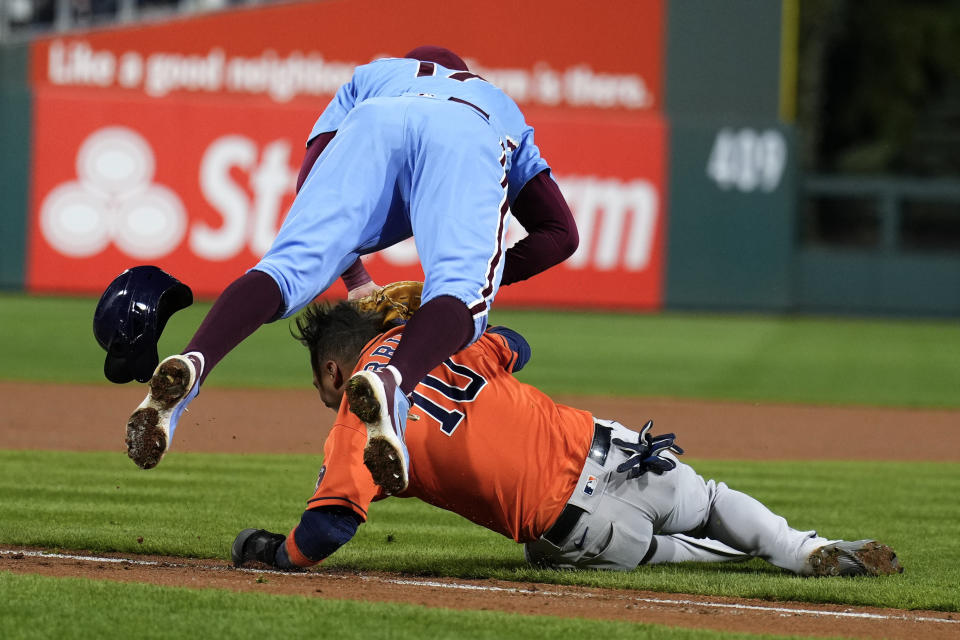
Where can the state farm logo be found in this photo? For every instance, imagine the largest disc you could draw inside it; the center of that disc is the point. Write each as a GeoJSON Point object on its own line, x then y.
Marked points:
{"type": "Point", "coordinates": [113, 200]}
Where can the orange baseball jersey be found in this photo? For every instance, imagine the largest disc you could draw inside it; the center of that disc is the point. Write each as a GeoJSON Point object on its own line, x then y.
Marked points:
{"type": "Point", "coordinates": [482, 444]}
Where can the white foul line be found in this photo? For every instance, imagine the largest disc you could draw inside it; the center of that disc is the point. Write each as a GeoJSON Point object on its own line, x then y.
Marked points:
{"type": "Point", "coordinates": [477, 587]}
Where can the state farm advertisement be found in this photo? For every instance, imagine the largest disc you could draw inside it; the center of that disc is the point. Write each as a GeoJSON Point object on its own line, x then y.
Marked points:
{"type": "Point", "coordinates": [178, 144]}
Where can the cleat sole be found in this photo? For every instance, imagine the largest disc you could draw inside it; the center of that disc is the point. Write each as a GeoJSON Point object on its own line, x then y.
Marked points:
{"type": "Point", "coordinates": [169, 384]}
{"type": "Point", "coordinates": [363, 401]}
{"type": "Point", "coordinates": [870, 559]}
{"type": "Point", "coordinates": [146, 439]}
{"type": "Point", "coordinates": [380, 458]}
{"type": "Point", "coordinates": [147, 429]}
{"type": "Point", "coordinates": [383, 454]}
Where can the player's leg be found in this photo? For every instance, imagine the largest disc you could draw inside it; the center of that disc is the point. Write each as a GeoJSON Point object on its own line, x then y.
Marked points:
{"type": "Point", "coordinates": [679, 547]}
{"type": "Point", "coordinates": [712, 512]}
{"type": "Point", "coordinates": [248, 302]}
{"type": "Point", "coordinates": [346, 206]}
{"type": "Point", "coordinates": [458, 211]}
{"type": "Point", "coordinates": [245, 305]}
{"type": "Point", "coordinates": [456, 191]}
{"type": "Point", "coordinates": [685, 503]}
{"type": "Point", "coordinates": [342, 207]}
{"type": "Point", "coordinates": [745, 523]}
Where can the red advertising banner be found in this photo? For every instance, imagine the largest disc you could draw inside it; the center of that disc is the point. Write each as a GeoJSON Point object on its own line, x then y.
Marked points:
{"type": "Point", "coordinates": [178, 144]}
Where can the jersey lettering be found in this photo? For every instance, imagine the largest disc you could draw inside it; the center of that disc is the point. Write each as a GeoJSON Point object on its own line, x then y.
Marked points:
{"type": "Point", "coordinates": [450, 419]}
{"type": "Point", "coordinates": [458, 394]}
{"type": "Point", "coordinates": [383, 351]}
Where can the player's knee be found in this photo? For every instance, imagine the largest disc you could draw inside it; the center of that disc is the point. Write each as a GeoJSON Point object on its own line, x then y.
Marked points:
{"type": "Point", "coordinates": [568, 243]}
{"type": "Point", "coordinates": [651, 552]}
{"type": "Point", "coordinates": [457, 316]}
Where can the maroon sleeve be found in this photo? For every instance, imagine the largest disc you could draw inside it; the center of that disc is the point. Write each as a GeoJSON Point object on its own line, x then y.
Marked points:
{"type": "Point", "coordinates": [552, 232]}
{"type": "Point", "coordinates": [314, 148]}
{"type": "Point", "coordinates": [356, 274]}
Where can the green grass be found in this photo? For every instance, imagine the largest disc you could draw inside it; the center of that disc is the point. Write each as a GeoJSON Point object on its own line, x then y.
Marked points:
{"type": "Point", "coordinates": [194, 504]}
{"type": "Point", "coordinates": [42, 608]}
{"type": "Point", "coordinates": [908, 363]}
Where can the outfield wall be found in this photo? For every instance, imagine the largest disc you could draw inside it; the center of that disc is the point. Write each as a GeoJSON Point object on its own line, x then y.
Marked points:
{"type": "Point", "coordinates": [177, 143]}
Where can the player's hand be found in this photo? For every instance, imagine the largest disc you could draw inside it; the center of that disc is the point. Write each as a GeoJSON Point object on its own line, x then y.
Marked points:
{"type": "Point", "coordinates": [362, 291]}
{"type": "Point", "coordinates": [647, 453]}
{"type": "Point", "coordinates": [256, 545]}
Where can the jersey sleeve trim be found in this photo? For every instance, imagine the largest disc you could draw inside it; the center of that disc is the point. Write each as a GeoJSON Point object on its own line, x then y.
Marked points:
{"type": "Point", "coordinates": [518, 345]}
{"type": "Point", "coordinates": [294, 553]}
{"type": "Point", "coordinates": [323, 501]}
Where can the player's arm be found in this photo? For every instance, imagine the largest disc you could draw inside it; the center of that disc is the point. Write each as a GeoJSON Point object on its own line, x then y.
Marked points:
{"type": "Point", "coordinates": [552, 232]}
{"type": "Point", "coordinates": [314, 148]}
{"type": "Point", "coordinates": [320, 532]}
{"type": "Point", "coordinates": [338, 506]}
{"type": "Point", "coordinates": [515, 348]}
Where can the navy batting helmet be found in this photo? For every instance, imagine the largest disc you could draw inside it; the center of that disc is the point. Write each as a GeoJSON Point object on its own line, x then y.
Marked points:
{"type": "Point", "coordinates": [130, 317]}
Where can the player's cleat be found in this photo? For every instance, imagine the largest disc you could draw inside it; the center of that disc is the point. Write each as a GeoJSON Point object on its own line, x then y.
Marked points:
{"type": "Point", "coordinates": [858, 558]}
{"type": "Point", "coordinates": [375, 398]}
{"type": "Point", "coordinates": [151, 426]}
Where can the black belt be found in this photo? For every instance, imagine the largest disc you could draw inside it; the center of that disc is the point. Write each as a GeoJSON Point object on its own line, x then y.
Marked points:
{"type": "Point", "coordinates": [570, 515]}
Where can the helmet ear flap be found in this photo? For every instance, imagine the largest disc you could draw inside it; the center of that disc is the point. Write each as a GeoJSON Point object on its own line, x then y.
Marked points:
{"type": "Point", "coordinates": [144, 362]}
{"type": "Point", "coordinates": [130, 317]}
{"type": "Point", "coordinates": [117, 370]}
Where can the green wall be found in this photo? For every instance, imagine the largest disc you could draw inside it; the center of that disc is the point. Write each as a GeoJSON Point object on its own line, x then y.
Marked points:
{"type": "Point", "coordinates": [731, 238]}
{"type": "Point", "coordinates": [732, 184]}
{"type": "Point", "coordinates": [723, 58]}
{"type": "Point", "coordinates": [15, 120]}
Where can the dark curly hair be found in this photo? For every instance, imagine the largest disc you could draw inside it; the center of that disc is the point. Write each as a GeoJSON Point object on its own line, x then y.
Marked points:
{"type": "Point", "coordinates": [335, 331]}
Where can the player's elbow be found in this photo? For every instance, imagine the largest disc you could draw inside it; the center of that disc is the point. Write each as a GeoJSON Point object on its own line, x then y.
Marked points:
{"type": "Point", "coordinates": [568, 242]}
{"type": "Point", "coordinates": [565, 235]}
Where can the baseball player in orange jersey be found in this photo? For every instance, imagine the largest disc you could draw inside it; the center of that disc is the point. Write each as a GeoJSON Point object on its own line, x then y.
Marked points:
{"type": "Point", "coordinates": [578, 491]}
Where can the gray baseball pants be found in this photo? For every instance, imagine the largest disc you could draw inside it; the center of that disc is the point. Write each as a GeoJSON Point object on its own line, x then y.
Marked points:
{"type": "Point", "coordinates": [612, 522]}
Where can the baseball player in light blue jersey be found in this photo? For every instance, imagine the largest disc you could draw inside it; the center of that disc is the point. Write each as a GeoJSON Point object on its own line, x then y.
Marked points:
{"type": "Point", "coordinates": [410, 146]}
{"type": "Point", "coordinates": [420, 149]}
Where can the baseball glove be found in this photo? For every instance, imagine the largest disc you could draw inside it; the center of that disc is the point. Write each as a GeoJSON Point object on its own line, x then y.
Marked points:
{"type": "Point", "coordinates": [397, 301]}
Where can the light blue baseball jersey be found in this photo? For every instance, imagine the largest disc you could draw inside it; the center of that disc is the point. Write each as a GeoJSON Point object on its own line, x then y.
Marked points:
{"type": "Point", "coordinates": [420, 150]}
{"type": "Point", "coordinates": [390, 77]}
